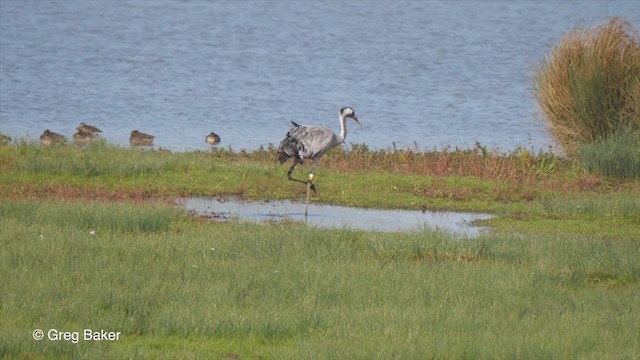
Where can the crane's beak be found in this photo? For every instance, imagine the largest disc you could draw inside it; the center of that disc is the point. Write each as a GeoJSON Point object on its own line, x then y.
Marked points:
{"type": "Point", "coordinates": [355, 118]}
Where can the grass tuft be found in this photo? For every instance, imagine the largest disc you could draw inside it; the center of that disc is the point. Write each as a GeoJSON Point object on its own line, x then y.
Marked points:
{"type": "Point", "coordinates": [589, 85]}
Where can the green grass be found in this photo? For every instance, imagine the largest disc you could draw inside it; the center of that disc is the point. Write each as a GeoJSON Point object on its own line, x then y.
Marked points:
{"type": "Point", "coordinates": [595, 215]}
{"type": "Point", "coordinates": [180, 287]}
{"type": "Point", "coordinates": [617, 155]}
{"type": "Point", "coordinates": [95, 216]}
{"type": "Point", "coordinates": [95, 161]}
{"type": "Point", "coordinates": [437, 179]}
{"type": "Point", "coordinates": [89, 243]}
{"type": "Point", "coordinates": [517, 186]}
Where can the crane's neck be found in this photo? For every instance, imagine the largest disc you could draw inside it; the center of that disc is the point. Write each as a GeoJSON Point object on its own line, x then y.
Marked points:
{"type": "Point", "coordinates": [343, 129]}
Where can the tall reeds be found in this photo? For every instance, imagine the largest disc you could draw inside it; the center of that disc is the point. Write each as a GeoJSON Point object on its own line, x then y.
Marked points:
{"type": "Point", "coordinates": [588, 87]}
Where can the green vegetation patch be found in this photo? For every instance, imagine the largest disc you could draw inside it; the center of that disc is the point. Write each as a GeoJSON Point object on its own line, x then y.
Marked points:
{"type": "Point", "coordinates": [188, 288]}
{"type": "Point", "coordinates": [526, 190]}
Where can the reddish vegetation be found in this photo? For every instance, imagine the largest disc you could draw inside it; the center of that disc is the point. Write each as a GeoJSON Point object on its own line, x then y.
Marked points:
{"type": "Point", "coordinates": [519, 169]}
{"type": "Point", "coordinates": [516, 166]}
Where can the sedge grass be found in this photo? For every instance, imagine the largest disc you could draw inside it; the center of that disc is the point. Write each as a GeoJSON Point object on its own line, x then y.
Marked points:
{"type": "Point", "coordinates": [195, 289]}
{"type": "Point", "coordinates": [615, 156]}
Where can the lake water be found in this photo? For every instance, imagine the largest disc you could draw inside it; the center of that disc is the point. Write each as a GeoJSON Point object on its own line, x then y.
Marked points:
{"type": "Point", "coordinates": [430, 73]}
{"type": "Point", "coordinates": [455, 223]}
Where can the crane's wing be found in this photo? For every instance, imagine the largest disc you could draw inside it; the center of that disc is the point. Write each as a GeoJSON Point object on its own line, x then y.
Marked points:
{"type": "Point", "coordinates": [304, 142]}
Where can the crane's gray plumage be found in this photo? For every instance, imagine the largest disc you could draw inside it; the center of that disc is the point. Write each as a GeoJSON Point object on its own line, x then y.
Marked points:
{"type": "Point", "coordinates": [311, 142]}
{"type": "Point", "coordinates": [307, 142]}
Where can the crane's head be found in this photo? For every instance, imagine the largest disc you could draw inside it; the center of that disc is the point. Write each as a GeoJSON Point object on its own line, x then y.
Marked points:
{"type": "Point", "coordinates": [347, 112]}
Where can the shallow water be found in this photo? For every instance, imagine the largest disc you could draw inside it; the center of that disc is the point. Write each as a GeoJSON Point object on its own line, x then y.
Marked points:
{"type": "Point", "coordinates": [456, 223]}
{"type": "Point", "coordinates": [434, 72]}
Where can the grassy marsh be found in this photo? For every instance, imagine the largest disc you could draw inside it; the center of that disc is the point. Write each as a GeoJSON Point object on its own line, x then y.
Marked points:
{"type": "Point", "coordinates": [180, 287]}
{"type": "Point", "coordinates": [517, 185]}
{"type": "Point", "coordinates": [88, 244]}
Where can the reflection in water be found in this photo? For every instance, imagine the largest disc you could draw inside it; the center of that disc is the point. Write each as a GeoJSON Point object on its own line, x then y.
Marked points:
{"type": "Point", "coordinates": [457, 223]}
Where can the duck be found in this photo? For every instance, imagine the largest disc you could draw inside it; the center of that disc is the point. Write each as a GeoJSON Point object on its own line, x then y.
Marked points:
{"type": "Point", "coordinates": [82, 137]}
{"type": "Point", "coordinates": [4, 139]}
{"type": "Point", "coordinates": [212, 139]}
{"type": "Point", "coordinates": [141, 139]}
{"type": "Point", "coordinates": [90, 129]}
{"type": "Point", "coordinates": [49, 138]}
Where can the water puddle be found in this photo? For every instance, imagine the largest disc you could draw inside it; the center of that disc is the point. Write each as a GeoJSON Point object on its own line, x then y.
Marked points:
{"type": "Point", "coordinates": [456, 223]}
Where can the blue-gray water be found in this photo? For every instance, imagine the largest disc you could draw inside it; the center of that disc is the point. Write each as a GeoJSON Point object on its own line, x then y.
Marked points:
{"type": "Point", "coordinates": [430, 72]}
{"type": "Point", "coordinates": [455, 223]}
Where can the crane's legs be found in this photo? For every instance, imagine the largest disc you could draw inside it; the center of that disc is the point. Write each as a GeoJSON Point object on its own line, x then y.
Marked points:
{"type": "Point", "coordinates": [306, 203]}
{"type": "Point", "coordinates": [310, 186]}
{"type": "Point", "coordinates": [308, 182]}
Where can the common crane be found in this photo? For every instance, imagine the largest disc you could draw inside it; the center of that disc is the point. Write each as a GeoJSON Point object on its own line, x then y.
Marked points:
{"type": "Point", "coordinates": [311, 142]}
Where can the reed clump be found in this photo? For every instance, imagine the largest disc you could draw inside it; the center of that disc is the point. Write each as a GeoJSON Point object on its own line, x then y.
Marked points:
{"type": "Point", "coordinates": [588, 87]}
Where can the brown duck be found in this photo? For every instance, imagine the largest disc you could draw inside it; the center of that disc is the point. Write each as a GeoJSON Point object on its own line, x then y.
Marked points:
{"type": "Point", "coordinates": [141, 139]}
{"type": "Point", "coordinates": [89, 129]}
{"type": "Point", "coordinates": [49, 138]}
{"type": "Point", "coordinates": [82, 137]}
{"type": "Point", "coordinates": [212, 139]}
